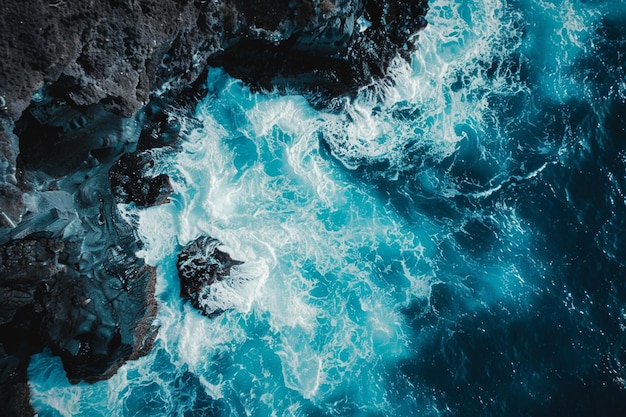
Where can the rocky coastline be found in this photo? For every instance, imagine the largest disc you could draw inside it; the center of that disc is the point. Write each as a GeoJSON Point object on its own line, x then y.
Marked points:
{"type": "Point", "coordinates": [87, 89]}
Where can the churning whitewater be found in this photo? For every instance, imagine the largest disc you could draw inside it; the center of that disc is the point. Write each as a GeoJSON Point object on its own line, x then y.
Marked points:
{"type": "Point", "coordinates": [430, 249]}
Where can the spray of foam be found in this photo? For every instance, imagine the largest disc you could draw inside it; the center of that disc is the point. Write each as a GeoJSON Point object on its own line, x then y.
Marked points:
{"type": "Point", "coordinates": [253, 177]}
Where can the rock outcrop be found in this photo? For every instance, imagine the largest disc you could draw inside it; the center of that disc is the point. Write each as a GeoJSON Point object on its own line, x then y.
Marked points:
{"type": "Point", "coordinates": [87, 90]}
{"type": "Point", "coordinates": [98, 60]}
{"type": "Point", "coordinates": [70, 281]}
{"type": "Point", "coordinates": [344, 45]}
{"type": "Point", "coordinates": [200, 265]}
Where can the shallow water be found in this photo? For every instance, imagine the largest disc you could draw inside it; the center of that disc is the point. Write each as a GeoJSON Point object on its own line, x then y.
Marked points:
{"type": "Point", "coordinates": [454, 249]}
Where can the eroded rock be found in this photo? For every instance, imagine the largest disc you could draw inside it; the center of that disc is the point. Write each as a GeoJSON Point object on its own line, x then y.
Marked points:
{"type": "Point", "coordinates": [131, 182]}
{"type": "Point", "coordinates": [93, 305]}
{"type": "Point", "coordinates": [200, 265]}
{"type": "Point", "coordinates": [350, 46]}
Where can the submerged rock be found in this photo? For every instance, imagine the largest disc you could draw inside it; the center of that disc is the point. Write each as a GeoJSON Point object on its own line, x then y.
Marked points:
{"type": "Point", "coordinates": [200, 265]}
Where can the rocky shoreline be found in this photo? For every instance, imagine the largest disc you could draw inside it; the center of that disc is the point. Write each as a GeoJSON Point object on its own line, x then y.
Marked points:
{"type": "Point", "coordinates": [86, 90]}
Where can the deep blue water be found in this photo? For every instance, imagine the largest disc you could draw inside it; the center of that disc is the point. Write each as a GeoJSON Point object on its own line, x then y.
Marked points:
{"type": "Point", "coordinates": [457, 248]}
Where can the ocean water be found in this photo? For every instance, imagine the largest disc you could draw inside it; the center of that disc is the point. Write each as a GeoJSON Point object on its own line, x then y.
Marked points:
{"type": "Point", "coordinates": [449, 244]}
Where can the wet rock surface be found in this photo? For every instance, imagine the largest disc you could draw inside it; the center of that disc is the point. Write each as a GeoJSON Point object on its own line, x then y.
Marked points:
{"type": "Point", "coordinates": [93, 58]}
{"type": "Point", "coordinates": [200, 265]}
{"type": "Point", "coordinates": [132, 184]}
{"type": "Point", "coordinates": [73, 286]}
{"type": "Point", "coordinates": [350, 46]}
{"type": "Point", "coordinates": [90, 93]}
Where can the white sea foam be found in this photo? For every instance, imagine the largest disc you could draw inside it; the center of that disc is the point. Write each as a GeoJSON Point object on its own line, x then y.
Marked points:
{"type": "Point", "coordinates": [276, 214]}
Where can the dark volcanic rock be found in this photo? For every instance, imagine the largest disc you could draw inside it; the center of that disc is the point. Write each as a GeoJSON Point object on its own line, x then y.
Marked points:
{"type": "Point", "coordinates": [25, 265]}
{"type": "Point", "coordinates": [103, 51]}
{"type": "Point", "coordinates": [58, 138]}
{"type": "Point", "coordinates": [351, 47]}
{"type": "Point", "coordinates": [111, 53]}
{"type": "Point", "coordinates": [201, 264]}
{"type": "Point", "coordinates": [75, 287]}
{"type": "Point", "coordinates": [131, 178]}
{"type": "Point", "coordinates": [69, 277]}
{"type": "Point", "coordinates": [131, 183]}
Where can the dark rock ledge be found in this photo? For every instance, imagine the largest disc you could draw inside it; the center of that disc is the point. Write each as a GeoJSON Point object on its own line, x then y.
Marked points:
{"type": "Point", "coordinates": [87, 90]}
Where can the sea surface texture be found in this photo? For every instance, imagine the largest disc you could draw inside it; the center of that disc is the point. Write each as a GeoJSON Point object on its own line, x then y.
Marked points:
{"type": "Point", "coordinates": [452, 243]}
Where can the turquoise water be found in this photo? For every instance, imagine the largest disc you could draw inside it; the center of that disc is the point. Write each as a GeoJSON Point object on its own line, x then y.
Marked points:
{"type": "Point", "coordinates": [453, 249]}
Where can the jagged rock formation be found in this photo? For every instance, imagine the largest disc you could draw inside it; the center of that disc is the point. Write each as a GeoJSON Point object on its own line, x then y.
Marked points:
{"type": "Point", "coordinates": [345, 45]}
{"type": "Point", "coordinates": [76, 287]}
{"type": "Point", "coordinates": [86, 89]}
{"type": "Point", "coordinates": [200, 265]}
{"type": "Point", "coordinates": [97, 58]}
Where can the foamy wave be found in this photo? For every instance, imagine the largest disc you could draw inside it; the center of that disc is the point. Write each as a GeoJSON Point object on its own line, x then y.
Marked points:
{"type": "Point", "coordinates": [237, 291]}
{"type": "Point", "coordinates": [464, 46]}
